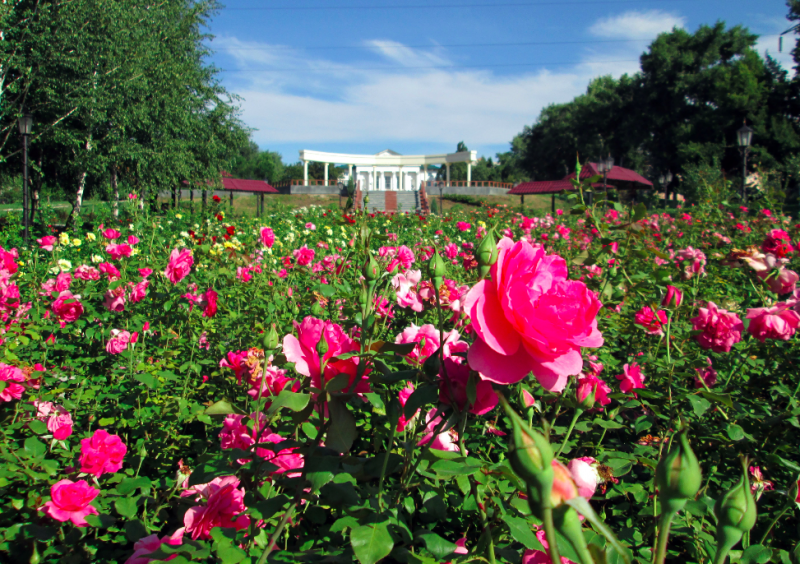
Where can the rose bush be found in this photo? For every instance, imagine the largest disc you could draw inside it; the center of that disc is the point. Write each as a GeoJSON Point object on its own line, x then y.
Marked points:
{"type": "Point", "coordinates": [239, 389]}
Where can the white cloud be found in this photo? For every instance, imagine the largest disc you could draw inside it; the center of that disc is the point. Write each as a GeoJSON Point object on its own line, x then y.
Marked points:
{"type": "Point", "coordinates": [637, 25]}
{"type": "Point", "coordinates": [321, 101]}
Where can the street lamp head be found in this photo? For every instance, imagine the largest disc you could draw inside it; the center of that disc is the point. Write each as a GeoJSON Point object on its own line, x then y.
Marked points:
{"type": "Point", "coordinates": [601, 166]}
{"type": "Point", "coordinates": [661, 179]}
{"type": "Point", "coordinates": [669, 176]}
{"type": "Point", "coordinates": [744, 135]}
{"type": "Point", "coordinates": [609, 163]}
{"type": "Point", "coordinates": [25, 123]}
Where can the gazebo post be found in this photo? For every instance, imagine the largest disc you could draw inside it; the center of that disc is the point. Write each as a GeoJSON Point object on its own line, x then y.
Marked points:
{"type": "Point", "coordinates": [231, 193]}
{"type": "Point", "coordinates": [553, 203]}
{"type": "Point", "coordinates": [521, 202]}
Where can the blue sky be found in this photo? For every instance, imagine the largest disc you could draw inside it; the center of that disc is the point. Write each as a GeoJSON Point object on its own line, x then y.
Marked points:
{"type": "Point", "coordinates": [416, 76]}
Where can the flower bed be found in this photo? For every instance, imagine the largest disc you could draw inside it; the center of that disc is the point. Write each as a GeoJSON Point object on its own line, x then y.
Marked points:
{"type": "Point", "coordinates": [317, 386]}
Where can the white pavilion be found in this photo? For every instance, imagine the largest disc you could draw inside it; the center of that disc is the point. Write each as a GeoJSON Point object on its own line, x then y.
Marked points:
{"type": "Point", "coordinates": [389, 170]}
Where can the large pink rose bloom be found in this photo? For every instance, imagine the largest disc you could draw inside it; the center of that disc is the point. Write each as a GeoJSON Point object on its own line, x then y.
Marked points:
{"type": "Point", "coordinates": [776, 322]}
{"type": "Point", "coordinates": [147, 545]}
{"type": "Point", "coordinates": [223, 503]}
{"type": "Point", "coordinates": [102, 453]}
{"type": "Point", "coordinates": [70, 502]}
{"type": "Point", "coordinates": [267, 236]}
{"type": "Point", "coordinates": [67, 307]}
{"type": "Point", "coordinates": [302, 350]}
{"type": "Point", "coordinates": [530, 318]}
{"type": "Point", "coordinates": [721, 329]}
{"type": "Point", "coordinates": [180, 263]}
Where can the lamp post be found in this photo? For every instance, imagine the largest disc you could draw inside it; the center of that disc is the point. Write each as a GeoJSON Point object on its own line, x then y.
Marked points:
{"type": "Point", "coordinates": [744, 136]}
{"type": "Point", "coordinates": [25, 125]}
{"type": "Point", "coordinates": [664, 180]}
{"type": "Point", "coordinates": [605, 166]}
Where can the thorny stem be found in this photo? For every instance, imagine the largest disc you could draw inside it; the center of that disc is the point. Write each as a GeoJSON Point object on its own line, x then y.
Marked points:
{"type": "Point", "coordinates": [550, 535]}
{"type": "Point", "coordinates": [772, 524]}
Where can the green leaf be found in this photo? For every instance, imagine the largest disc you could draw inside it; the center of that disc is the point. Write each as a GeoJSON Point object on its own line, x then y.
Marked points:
{"type": "Point", "coordinates": [735, 432]}
{"type": "Point", "coordinates": [342, 431]}
{"type": "Point", "coordinates": [522, 531]}
{"type": "Point", "coordinates": [425, 394]}
{"type": "Point", "coordinates": [128, 485]}
{"type": "Point", "coordinates": [319, 470]}
{"type": "Point", "coordinates": [291, 400]}
{"type": "Point", "coordinates": [454, 468]}
{"type": "Point", "coordinates": [581, 258]}
{"type": "Point", "coordinates": [146, 379]}
{"type": "Point", "coordinates": [35, 425]}
{"type": "Point", "coordinates": [699, 405]}
{"type": "Point", "coordinates": [756, 554]}
{"type": "Point", "coordinates": [387, 347]}
{"type": "Point", "coordinates": [639, 212]}
{"type": "Point", "coordinates": [371, 542]}
{"type": "Point", "coordinates": [34, 447]}
{"type": "Point", "coordinates": [223, 407]}
{"type": "Point", "coordinates": [126, 506]}
{"type": "Point", "coordinates": [606, 424]}
{"type": "Point", "coordinates": [436, 545]}
{"type": "Point", "coordinates": [724, 399]}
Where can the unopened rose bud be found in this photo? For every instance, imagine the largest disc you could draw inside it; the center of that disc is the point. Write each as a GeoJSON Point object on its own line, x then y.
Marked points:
{"type": "Point", "coordinates": [678, 475]}
{"type": "Point", "coordinates": [436, 268]}
{"type": "Point", "coordinates": [736, 515]}
{"type": "Point", "coordinates": [322, 346]}
{"type": "Point", "coordinates": [371, 270]}
{"type": "Point", "coordinates": [271, 338]}
{"type": "Point", "coordinates": [487, 253]}
{"type": "Point", "coordinates": [585, 393]}
{"type": "Point", "coordinates": [531, 457]}
{"type": "Point", "coordinates": [673, 297]}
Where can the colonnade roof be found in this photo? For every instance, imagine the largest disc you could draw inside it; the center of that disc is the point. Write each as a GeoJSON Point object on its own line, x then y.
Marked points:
{"type": "Point", "coordinates": [383, 159]}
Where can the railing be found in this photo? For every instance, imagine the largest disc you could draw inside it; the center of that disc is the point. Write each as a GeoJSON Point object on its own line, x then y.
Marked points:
{"type": "Point", "coordinates": [473, 183]}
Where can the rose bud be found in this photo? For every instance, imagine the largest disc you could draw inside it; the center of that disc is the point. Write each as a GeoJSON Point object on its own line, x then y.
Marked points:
{"type": "Point", "coordinates": [486, 254]}
{"type": "Point", "coordinates": [736, 515]}
{"type": "Point", "coordinates": [436, 268]}
{"type": "Point", "coordinates": [678, 475]}
{"type": "Point", "coordinates": [271, 338]}
{"type": "Point", "coordinates": [371, 269]}
{"type": "Point", "coordinates": [673, 297]}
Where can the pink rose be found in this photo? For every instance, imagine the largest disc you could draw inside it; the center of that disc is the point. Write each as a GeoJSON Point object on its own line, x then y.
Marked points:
{"type": "Point", "coordinates": [445, 440]}
{"type": "Point", "coordinates": [210, 298]}
{"type": "Point", "coordinates": [119, 251]}
{"type": "Point", "coordinates": [111, 234]}
{"type": "Point", "coordinates": [145, 272]}
{"type": "Point", "coordinates": [530, 318]}
{"type": "Point", "coordinates": [180, 263]}
{"type": "Point", "coordinates": [133, 240]}
{"type": "Point", "coordinates": [463, 226]}
{"type": "Point", "coordinates": [631, 379]}
{"type": "Point", "coordinates": [650, 320]}
{"type": "Point", "coordinates": [223, 502]}
{"type": "Point", "coordinates": [302, 350]}
{"type": "Point", "coordinates": [709, 375]}
{"type": "Point", "coordinates": [147, 545]}
{"type": "Point", "coordinates": [102, 453]}
{"type": "Point", "coordinates": [304, 256]}
{"type": "Point", "coordinates": [310, 226]}
{"type": "Point", "coordinates": [58, 419]}
{"type": "Point", "coordinates": [589, 384]}
{"type": "Point", "coordinates": [781, 281]}
{"type": "Point", "coordinates": [110, 271]}
{"type": "Point", "coordinates": [584, 472]}
{"type": "Point", "coordinates": [139, 291]}
{"type": "Point", "coordinates": [267, 236]}
{"type": "Point", "coordinates": [118, 342]}
{"type": "Point", "coordinates": [531, 556]}
{"type": "Point", "coordinates": [13, 377]}
{"type": "Point", "coordinates": [720, 328]}
{"type": "Point", "coordinates": [47, 242]}
{"type": "Point", "coordinates": [776, 322]}
{"type": "Point", "coordinates": [778, 243]}
{"type": "Point", "coordinates": [405, 393]}
{"type": "Point", "coordinates": [405, 287]}
{"type": "Point", "coordinates": [69, 501]}
{"type": "Point", "coordinates": [67, 307]}
{"type": "Point", "coordinates": [114, 300]}
{"type": "Point", "coordinates": [453, 380]}
{"type": "Point", "coordinates": [85, 272]}
{"type": "Point", "coordinates": [427, 342]}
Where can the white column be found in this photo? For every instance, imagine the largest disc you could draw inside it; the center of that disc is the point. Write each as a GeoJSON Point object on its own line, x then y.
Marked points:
{"type": "Point", "coordinates": [305, 173]}
{"type": "Point", "coordinates": [400, 184]}
{"type": "Point", "coordinates": [447, 165]}
{"type": "Point", "coordinates": [469, 173]}
{"type": "Point", "coordinates": [374, 179]}
{"type": "Point", "coordinates": [326, 174]}
{"type": "Point", "coordinates": [350, 172]}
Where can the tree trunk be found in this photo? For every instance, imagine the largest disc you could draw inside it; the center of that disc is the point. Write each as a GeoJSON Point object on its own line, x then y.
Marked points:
{"type": "Point", "coordinates": [76, 207]}
{"type": "Point", "coordinates": [115, 190]}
